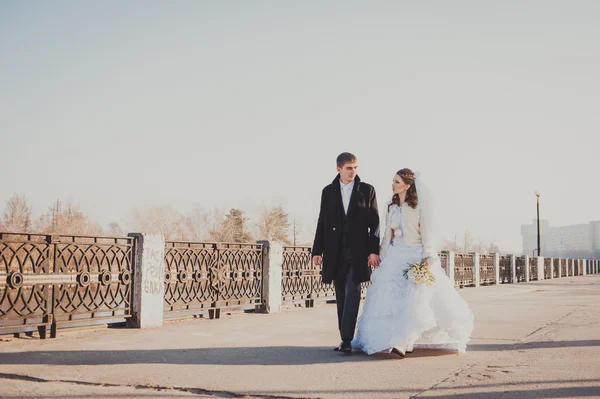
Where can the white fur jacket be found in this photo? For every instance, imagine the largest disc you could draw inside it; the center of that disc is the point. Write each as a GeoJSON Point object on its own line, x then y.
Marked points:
{"type": "Point", "coordinates": [416, 230]}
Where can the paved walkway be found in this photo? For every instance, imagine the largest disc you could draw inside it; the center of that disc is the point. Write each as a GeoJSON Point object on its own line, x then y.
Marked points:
{"type": "Point", "coordinates": [535, 340]}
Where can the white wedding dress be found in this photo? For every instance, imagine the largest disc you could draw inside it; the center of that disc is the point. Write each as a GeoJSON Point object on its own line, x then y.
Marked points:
{"type": "Point", "coordinates": [400, 314]}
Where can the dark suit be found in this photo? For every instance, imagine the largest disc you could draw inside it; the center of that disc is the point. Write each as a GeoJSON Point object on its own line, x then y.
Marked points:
{"type": "Point", "coordinates": [345, 240]}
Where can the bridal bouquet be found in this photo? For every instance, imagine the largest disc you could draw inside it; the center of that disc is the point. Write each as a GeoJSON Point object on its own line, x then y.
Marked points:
{"type": "Point", "coordinates": [419, 273]}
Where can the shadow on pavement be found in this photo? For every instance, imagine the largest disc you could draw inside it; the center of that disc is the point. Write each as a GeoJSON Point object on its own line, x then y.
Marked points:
{"type": "Point", "coordinates": [272, 355]}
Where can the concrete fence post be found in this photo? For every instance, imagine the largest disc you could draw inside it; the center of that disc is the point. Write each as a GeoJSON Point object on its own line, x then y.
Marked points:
{"type": "Point", "coordinates": [148, 280]}
{"type": "Point", "coordinates": [272, 276]}
{"type": "Point", "coordinates": [560, 263]}
{"type": "Point", "coordinates": [513, 269]}
{"type": "Point", "coordinates": [477, 269]}
{"type": "Point", "coordinates": [451, 266]}
{"type": "Point", "coordinates": [540, 268]}
{"type": "Point", "coordinates": [571, 269]}
{"type": "Point", "coordinates": [497, 268]}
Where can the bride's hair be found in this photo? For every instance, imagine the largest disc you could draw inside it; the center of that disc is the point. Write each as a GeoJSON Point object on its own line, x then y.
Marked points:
{"type": "Point", "coordinates": [412, 199]}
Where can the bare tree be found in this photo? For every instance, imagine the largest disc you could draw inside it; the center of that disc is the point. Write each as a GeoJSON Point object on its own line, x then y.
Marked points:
{"type": "Point", "coordinates": [198, 223]}
{"type": "Point", "coordinates": [481, 247]}
{"type": "Point", "coordinates": [233, 228]}
{"type": "Point", "coordinates": [451, 245]}
{"type": "Point", "coordinates": [296, 228]}
{"type": "Point", "coordinates": [493, 248]}
{"type": "Point", "coordinates": [17, 214]}
{"type": "Point", "coordinates": [274, 225]}
{"type": "Point", "coordinates": [467, 241]}
{"type": "Point", "coordinates": [67, 218]}
{"type": "Point", "coordinates": [115, 230]}
{"type": "Point", "coordinates": [158, 219]}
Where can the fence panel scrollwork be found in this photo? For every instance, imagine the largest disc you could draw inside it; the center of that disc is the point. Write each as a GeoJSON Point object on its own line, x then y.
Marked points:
{"type": "Point", "coordinates": [486, 270]}
{"type": "Point", "coordinates": [107, 262]}
{"type": "Point", "coordinates": [570, 267]}
{"type": "Point", "coordinates": [505, 271]}
{"type": "Point", "coordinates": [444, 261]}
{"type": "Point", "coordinates": [548, 268]}
{"type": "Point", "coordinates": [298, 273]}
{"type": "Point", "coordinates": [464, 273]}
{"type": "Point", "coordinates": [52, 281]}
{"type": "Point", "coordinates": [302, 279]}
{"type": "Point", "coordinates": [533, 269]}
{"type": "Point", "coordinates": [520, 268]}
{"type": "Point", "coordinates": [209, 277]}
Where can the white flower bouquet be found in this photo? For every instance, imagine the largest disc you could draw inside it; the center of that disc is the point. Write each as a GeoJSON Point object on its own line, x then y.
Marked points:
{"type": "Point", "coordinates": [419, 273]}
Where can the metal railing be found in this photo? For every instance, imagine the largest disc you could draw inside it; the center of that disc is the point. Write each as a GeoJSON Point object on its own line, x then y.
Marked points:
{"type": "Point", "coordinates": [520, 268]}
{"type": "Point", "coordinates": [533, 269]}
{"type": "Point", "coordinates": [464, 270]}
{"type": "Point", "coordinates": [548, 268]}
{"type": "Point", "coordinates": [211, 276]}
{"type": "Point", "coordinates": [52, 281]}
{"type": "Point", "coordinates": [444, 261]}
{"type": "Point", "coordinates": [486, 270]}
{"type": "Point", "coordinates": [505, 269]}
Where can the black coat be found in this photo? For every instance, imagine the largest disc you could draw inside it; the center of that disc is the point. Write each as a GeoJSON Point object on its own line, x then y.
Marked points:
{"type": "Point", "coordinates": [363, 230]}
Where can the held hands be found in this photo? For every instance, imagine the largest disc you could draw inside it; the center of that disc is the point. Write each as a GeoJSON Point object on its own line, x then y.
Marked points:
{"type": "Point", "coordinates": [374, 261]}
{"type": "Point", "coordinates": [425, 261]}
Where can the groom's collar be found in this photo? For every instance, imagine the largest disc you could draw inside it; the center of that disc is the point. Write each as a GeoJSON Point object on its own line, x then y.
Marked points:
{"type": "Point", "coordinates": [336, 182]}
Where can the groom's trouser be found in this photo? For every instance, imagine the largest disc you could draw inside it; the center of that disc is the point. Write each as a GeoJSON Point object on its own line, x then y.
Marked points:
{"type": "Point", "coordinates": [347, 296]}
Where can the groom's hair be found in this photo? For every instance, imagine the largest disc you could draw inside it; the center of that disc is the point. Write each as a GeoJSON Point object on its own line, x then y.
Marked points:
{"type": "Point", "coordinates": [344, 158]}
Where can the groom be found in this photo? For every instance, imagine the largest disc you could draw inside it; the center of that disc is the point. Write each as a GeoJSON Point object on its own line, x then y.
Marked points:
{"type": "Point", "coordinates": [347, 241]}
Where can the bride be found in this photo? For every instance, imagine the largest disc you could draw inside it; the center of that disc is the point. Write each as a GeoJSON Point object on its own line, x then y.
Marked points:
{"type": "Point", "coordinates": [399, 315]}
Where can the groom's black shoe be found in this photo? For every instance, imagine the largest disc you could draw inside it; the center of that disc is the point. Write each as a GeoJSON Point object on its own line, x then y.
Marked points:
{"type": "Point", "coordinates": [339, 347]}
{"type": "Point", "coordinates": [346, 347]}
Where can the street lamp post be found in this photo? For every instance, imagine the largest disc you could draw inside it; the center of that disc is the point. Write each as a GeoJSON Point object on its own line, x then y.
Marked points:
{"type": "Point", "coordinates": [537, 194]}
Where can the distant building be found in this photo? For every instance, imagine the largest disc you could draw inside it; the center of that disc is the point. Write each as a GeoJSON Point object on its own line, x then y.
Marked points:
{"type": "Point", "coordinates": [580, 240]}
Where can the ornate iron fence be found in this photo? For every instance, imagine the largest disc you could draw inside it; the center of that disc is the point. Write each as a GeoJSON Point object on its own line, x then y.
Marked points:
{"type": "Point", "coordinates": [555, 267]}
{"type": "Point", "coordinates": [444, 261]}
{"type": "Point", "coordinates": [533, 269]}
{"type": "Point", "coordinates": [505, 271]}
{"type": "Point", "coordinates": [464, 272]}
{"type": "Point", "coordinates": [564, 267]}
{"type": "Point", "coordinates": [298, 273]}
{"type": "Point", "coordinates": [588, 268]}
{"type": "Point", "coordinates": [547, 268]}
{"type": "Point", "coordinates": [486, 270]}
{"type": "Point", "coordinates": [60, 281]}
{"type": "Point", "coordinates": [301, 279]}
{"type": "Point", "coordinates": [520, 268]}
{"type": "Point", "coordinates": [570, 271]}
{"type": "Point", "coordinates": [211, 276]}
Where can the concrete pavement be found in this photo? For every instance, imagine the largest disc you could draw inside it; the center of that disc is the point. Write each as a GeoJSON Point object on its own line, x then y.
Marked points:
{"type": "Point", "coordinates": [531, 340]}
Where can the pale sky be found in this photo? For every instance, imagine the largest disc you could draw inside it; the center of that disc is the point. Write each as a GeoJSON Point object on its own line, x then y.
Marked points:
{"type": "Point", "coordinates": [116, 105]}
